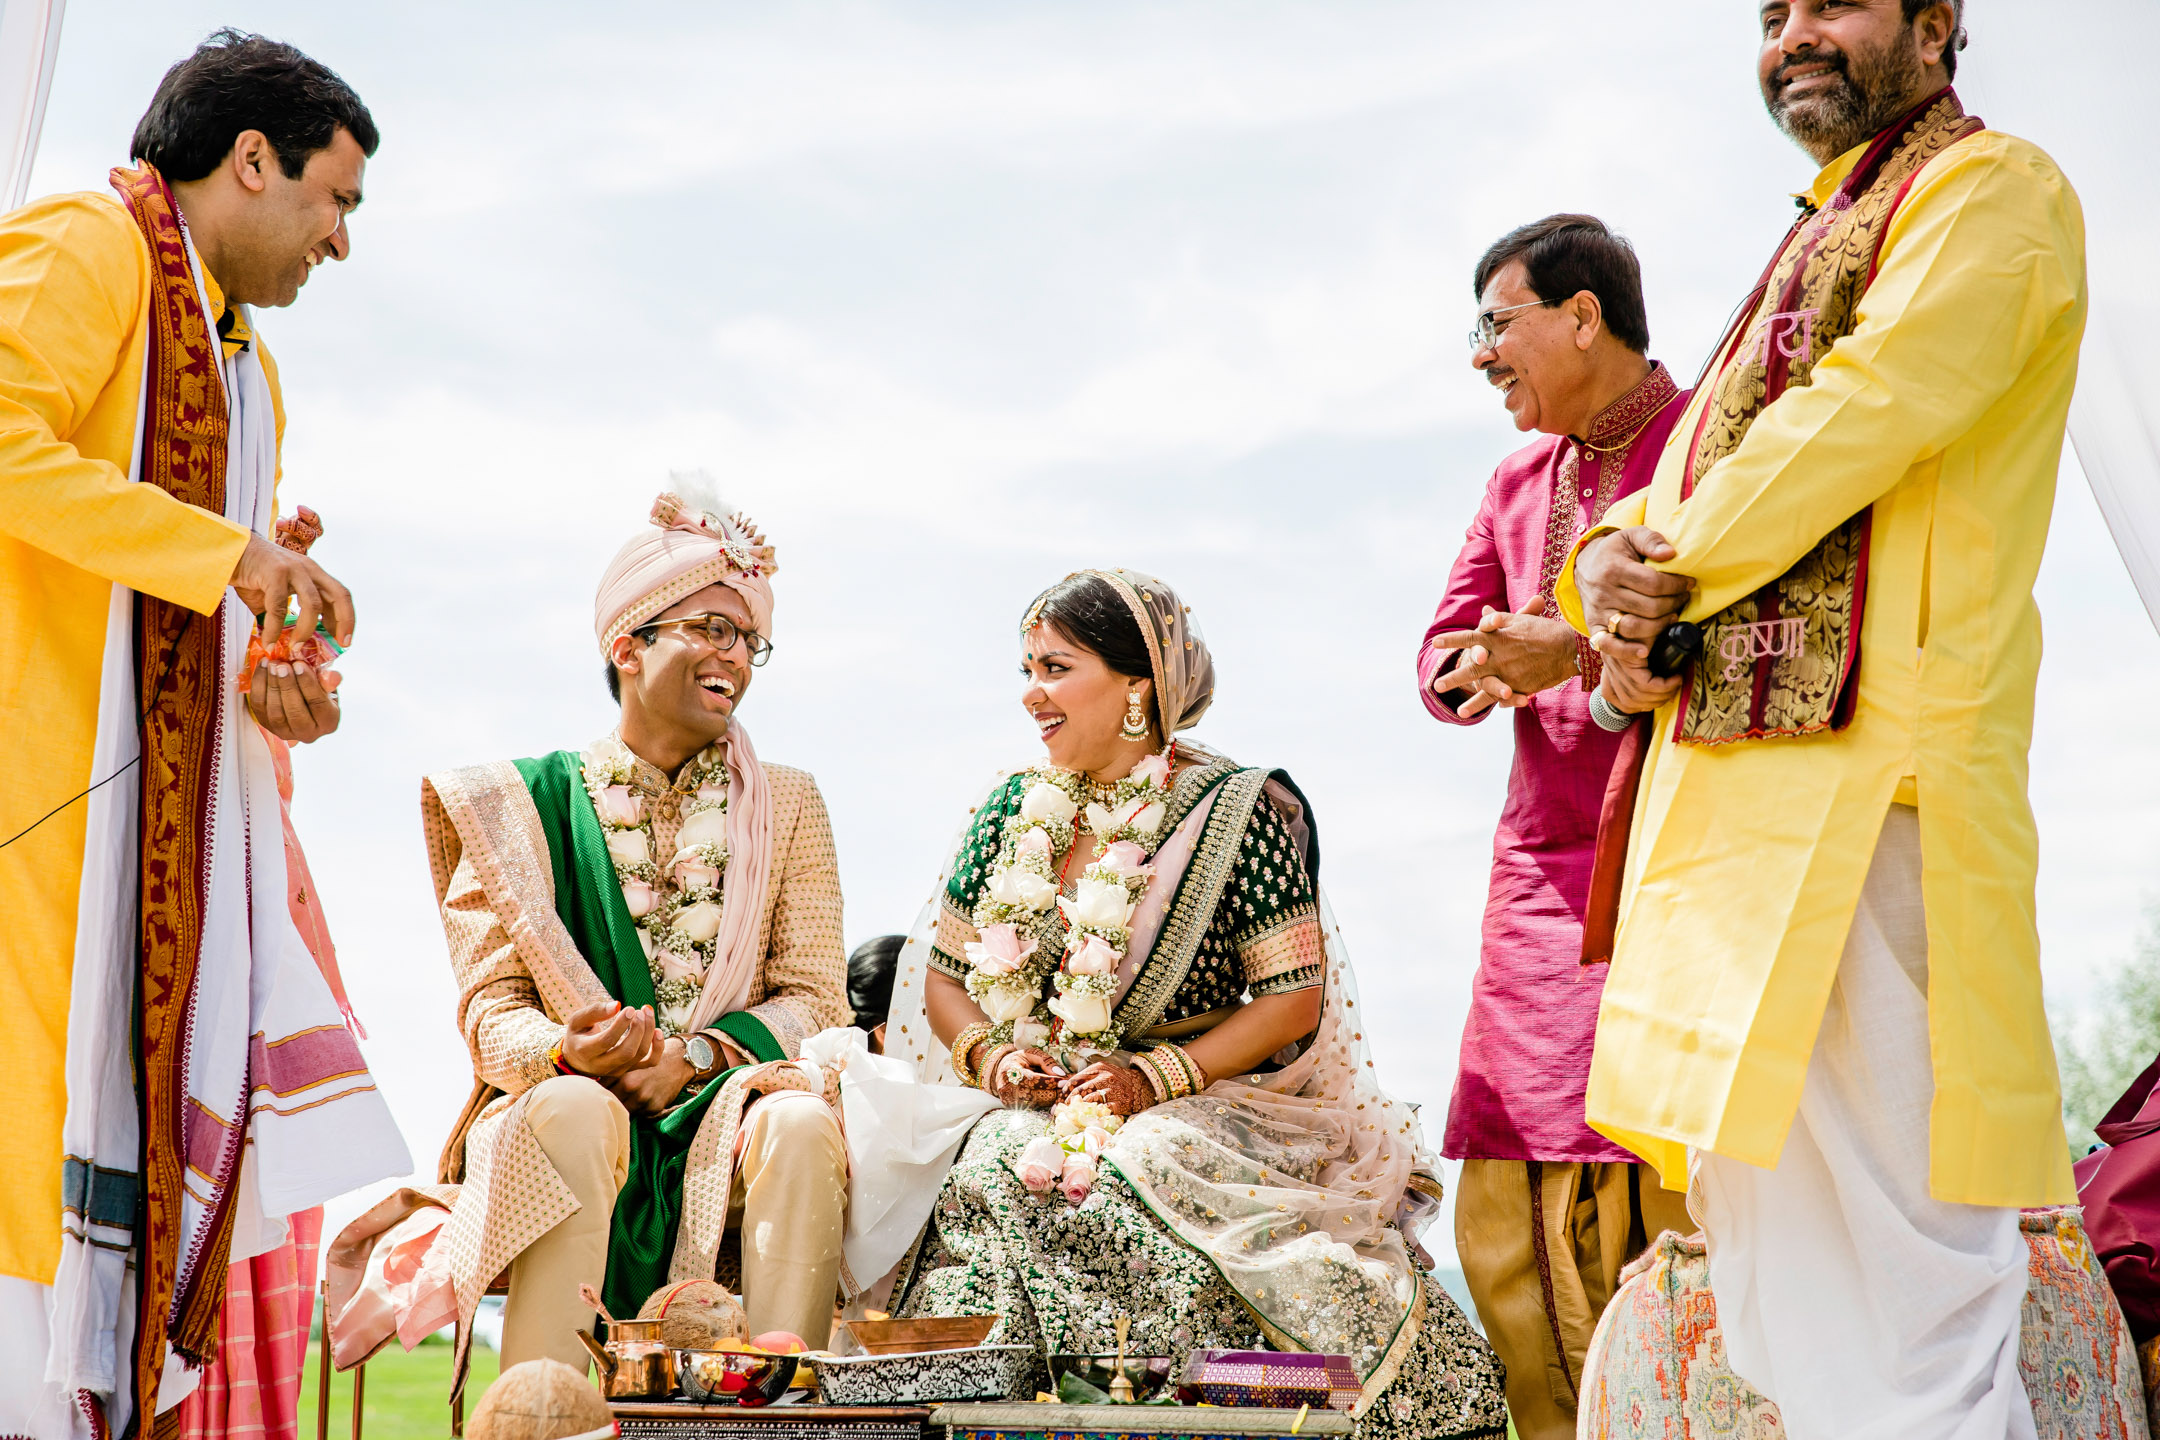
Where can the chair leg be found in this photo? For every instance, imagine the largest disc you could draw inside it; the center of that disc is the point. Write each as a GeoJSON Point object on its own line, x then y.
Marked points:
{"type": "Point", "coordinates": [322, 1392]}
{"type": "Point", "coordinates": [359, 1396]}
{"type": "Point", "coordinates": [457, 1416]}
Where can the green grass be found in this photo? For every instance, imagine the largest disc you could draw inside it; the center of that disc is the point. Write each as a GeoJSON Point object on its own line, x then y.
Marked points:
{"type": "Point", "coordinates": [407, 1396]}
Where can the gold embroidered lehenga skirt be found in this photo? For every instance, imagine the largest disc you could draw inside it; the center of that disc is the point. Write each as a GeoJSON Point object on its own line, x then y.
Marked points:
{"type": "Point", "coordinates": [1059, 1275]}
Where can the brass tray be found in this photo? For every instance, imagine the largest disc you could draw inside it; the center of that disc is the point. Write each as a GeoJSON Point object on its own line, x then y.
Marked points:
{"type": "Point", "coordinates": [913, 1337]}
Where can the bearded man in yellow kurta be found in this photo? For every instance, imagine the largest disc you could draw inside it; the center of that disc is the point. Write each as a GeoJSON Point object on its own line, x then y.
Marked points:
{"type": "Point", "coordinates": [1824, 1006]}
{"type": "Point", "coordinates": [141, 859]}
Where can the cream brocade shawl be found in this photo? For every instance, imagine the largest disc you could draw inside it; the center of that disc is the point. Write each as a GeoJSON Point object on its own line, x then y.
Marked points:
{"type": "Point", "coordinates": [519, 975]}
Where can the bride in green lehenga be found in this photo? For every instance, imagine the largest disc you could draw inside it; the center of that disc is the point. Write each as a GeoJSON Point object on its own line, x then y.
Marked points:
{"type": "Point", "coordinates": [1137, 923]}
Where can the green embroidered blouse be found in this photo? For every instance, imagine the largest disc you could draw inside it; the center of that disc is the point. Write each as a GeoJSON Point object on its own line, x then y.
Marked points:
{"type": "Point", "coordinates": [1264, 935]}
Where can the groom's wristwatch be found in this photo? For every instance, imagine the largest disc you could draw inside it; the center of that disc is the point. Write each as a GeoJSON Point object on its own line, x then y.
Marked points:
{"type": "Point", "coordinates": [705, 1056]}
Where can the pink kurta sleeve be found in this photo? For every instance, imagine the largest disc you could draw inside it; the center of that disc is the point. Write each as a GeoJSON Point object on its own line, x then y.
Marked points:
{"type": "Point", "coordinates": [1478, 579]}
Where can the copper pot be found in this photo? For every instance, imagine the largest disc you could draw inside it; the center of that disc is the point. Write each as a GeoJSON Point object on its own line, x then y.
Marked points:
{"type": "Point", "coordinates": [635, 1364]}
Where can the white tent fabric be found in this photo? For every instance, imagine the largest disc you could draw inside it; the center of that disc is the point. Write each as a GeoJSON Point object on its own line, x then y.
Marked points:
{"type": "Point", "coordinates": [2115, 428]}
{"type": "Point", "coordinates": [29, 44]}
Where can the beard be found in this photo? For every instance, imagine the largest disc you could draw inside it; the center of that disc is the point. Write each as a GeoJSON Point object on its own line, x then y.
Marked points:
{"type": "Point", "coordinates": [1866, 90]}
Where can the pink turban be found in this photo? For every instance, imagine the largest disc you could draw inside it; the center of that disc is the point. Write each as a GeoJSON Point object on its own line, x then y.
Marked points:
{"type": "Point", "coordinates": [696, 542]}
{"type": "Point", "coordinates": [693, 543]}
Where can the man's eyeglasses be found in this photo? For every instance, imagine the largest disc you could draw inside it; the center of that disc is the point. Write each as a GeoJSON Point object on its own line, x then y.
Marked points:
{"type": "Point", "coordinates": [1486, 333]}
{"type": "Point", "coordinates": [719, 631]}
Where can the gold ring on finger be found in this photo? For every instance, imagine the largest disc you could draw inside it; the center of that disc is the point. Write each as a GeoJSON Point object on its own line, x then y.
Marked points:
{"type": "Point", "coordinates": [1612, 622]}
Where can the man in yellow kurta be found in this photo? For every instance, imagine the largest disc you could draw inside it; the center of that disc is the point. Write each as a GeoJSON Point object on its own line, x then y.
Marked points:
{"type": "Point", "coordinates": [261, 151]}
{"type": "Point", "coordinates": [1824, 1004]}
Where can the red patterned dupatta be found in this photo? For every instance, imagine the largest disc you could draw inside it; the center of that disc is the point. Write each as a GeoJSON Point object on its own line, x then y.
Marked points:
{"type": "Point", "coordinates": [180, 669]}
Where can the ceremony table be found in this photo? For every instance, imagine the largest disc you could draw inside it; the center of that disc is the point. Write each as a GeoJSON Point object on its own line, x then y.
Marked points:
{"type": "Point", "coordinates": [686, 1420]}
{"type": "Point", "coordinates": [649, 1420]}
{"type": "Point", "coordinates": [1007, 1421]}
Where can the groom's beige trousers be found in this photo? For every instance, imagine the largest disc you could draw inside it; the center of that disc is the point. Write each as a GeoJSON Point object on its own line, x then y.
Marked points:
{"type": "Point", "coordinates": [789, 1205]}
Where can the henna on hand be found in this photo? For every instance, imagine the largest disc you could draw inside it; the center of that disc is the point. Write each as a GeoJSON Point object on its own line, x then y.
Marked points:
{"type": "Point", "coordinates": [1028, 1077]}
{"type": "Point", "coordinates": [1121, 1087]}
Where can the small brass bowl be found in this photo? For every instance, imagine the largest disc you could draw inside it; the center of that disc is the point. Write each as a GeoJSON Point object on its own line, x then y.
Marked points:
{"type": "Point", "coordinates": [734, 1377]}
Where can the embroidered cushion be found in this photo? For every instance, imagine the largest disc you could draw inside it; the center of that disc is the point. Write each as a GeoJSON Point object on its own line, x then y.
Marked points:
{"type": "Point", "coordinates": [1657, 1368]}
{"type": "Point", "coordinates": [2075, 1356]}
{"type": "Point", "coordinates": [2149, 1361]}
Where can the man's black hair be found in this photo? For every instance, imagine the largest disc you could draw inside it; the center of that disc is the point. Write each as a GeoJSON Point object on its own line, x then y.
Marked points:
{"type": "Point", "coordinates": [870, 979]}
{"type": "Point", "coordinates": [1564, 255]}
{"type": "Point", "coordinates": [236, 81]}
{"type": "Point", "coordinates": [1957, 29]}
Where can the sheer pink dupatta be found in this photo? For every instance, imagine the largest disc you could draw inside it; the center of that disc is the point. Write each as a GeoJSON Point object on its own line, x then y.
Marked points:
{"type": "Point", "coordinates": [749, 876]}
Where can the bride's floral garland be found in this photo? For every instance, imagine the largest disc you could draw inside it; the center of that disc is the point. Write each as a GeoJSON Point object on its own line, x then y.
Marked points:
{"type": "Point", "coordinates": [1016, 915]}
{"type": "Point", "coordinates": [677, 909]}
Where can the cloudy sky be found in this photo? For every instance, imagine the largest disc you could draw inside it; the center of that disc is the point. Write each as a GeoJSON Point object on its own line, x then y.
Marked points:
{"type": "Point", "coordinates": [956, 298]}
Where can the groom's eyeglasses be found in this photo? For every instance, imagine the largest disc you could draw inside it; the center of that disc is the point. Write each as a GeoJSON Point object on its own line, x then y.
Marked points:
{"type": "Point", "coordinates": [719, 631]}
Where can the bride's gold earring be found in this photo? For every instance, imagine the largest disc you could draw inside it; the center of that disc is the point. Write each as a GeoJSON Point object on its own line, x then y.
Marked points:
{"type": "Point", "coordinates": [1135, 719]}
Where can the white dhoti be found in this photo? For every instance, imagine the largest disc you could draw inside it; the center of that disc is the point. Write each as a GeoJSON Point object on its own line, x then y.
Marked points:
{"type": "Point", "coordinates": [1865, 1308]}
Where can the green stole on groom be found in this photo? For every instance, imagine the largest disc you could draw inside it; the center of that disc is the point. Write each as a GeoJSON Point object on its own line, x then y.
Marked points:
{"type": "Point", "coordinates": [588, 899]}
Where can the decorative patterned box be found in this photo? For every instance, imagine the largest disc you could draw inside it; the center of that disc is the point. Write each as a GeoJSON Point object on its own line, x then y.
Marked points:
{"type": "Point", "coordinates": [980, 1372]}
{"type": "Point", "coordinates": [1269, 1378]}
{"type": "Point", "coordinates": [1133, 1422]}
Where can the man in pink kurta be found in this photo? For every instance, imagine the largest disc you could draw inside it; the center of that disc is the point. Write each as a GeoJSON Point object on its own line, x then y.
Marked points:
{"type": "Point", "coordinates": [1547, 1210]}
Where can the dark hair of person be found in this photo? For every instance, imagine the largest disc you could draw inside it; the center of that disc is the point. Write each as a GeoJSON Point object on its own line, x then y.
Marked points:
{"type": "Point", "coordinates": [236, 81]}
{"type": "Point", "coordinates": [870, 972]}
{"type": "Point", "coordinates": [1089, 610]}
{"type": "Point", "coordinates": [614, 683]}
{"type": "Point", "coordinates": [1564, 255]}
{"type": "Point", "coordinates": [1957, 29]}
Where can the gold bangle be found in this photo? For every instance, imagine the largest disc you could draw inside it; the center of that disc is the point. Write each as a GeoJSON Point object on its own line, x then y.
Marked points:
{"type": "Point", "coordinates": [1146, 1065]}
{"type": "Point", "coordinates": [1190, 1079]}
{"type": "Point", "coordinates": [1173, 1074]}
{"type": "Point", "coordinates": [963, 1046]}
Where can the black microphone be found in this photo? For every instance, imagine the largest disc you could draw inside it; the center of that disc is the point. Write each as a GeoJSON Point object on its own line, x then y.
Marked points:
{"type": "Point", "coordinates": [1675, 648]}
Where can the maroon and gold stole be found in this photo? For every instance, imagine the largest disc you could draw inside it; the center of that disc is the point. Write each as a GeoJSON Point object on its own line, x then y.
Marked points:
{"type": "Point", "coordinates": [1786, 660]}
{"type": "Point", "coordinates": [179, 668]}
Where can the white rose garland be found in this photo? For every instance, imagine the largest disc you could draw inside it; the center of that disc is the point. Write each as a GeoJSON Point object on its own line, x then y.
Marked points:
{"type": "Point", "coordinates": [1016, 915]}
{"type": "Point", "coordinates": [677, 907]}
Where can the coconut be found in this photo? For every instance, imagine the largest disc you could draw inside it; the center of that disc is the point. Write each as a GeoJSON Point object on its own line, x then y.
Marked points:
{"type": "Point", "coordinates": [696, 1314]}
{"type": "Point", "coordinates": [540, 1400]}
